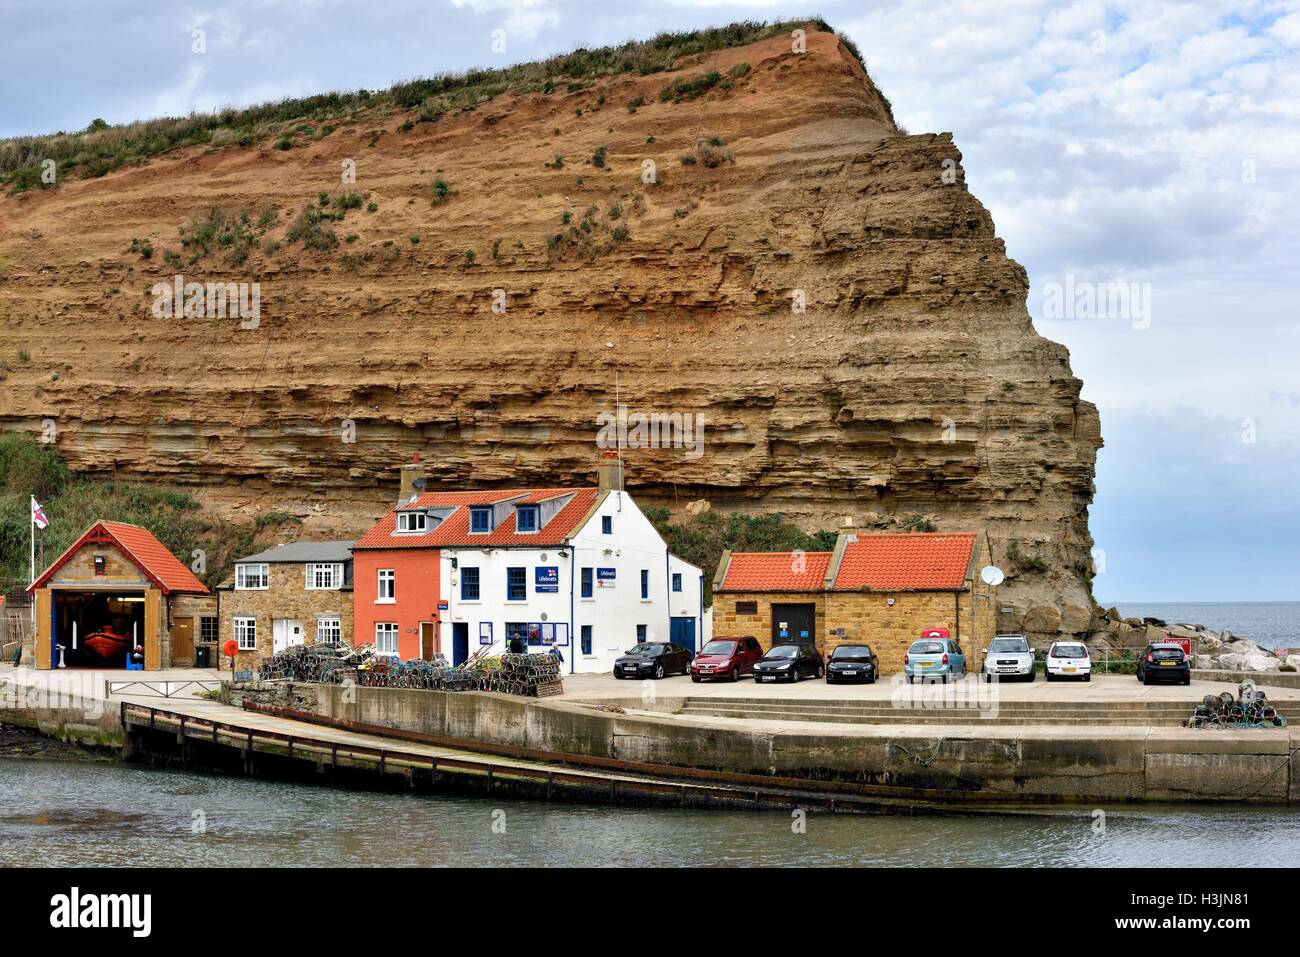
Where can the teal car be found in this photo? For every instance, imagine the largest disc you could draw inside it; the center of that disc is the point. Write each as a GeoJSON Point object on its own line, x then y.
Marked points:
{"type": "Point", "coordinates": [940, 658]}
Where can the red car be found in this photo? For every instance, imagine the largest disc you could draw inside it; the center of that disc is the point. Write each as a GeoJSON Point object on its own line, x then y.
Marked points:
{"type": "Point", "coordinates": [726, 658]}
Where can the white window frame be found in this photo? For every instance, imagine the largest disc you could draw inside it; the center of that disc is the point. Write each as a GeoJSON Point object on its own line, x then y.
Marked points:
{"type": "Point", "coordinates": [242, 576]}
{"type": "Point", "coordinates": [333, 624]}
{"type": "Point", "coordinates": [405, 519]}
{"type": "Point", "coordinates": [245, 632]}
{"type": "Point", "coordinates": [385, 629]}
{"type": "Point", "coordinates": [333, 576]}
{"type": "Point", "coordinates": [388, 575]}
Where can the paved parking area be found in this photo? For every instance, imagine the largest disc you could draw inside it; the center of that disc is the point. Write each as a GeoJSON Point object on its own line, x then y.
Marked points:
{"type": "Point", "coordinates": [1100, 689]}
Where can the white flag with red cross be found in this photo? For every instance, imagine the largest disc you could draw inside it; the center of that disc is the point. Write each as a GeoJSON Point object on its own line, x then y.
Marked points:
{"type": "Point", "coordinates": [38, 515]}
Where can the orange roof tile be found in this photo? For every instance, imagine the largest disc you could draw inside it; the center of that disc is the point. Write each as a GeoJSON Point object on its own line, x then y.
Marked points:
{"type": "Point", "coordinates": [776, 571]}
{"type": "Point", "coordinates": [907, 561]}
{"type": "Point", "coordinates": [454, 529]}
{"type": "Point", "coordinates": [149, 555]}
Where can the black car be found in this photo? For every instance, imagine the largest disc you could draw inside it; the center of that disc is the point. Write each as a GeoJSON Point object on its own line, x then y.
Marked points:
{"type": "Point", "coordinates": [852, 663]}
{"type": "Point", "coordinates": [1164, 661]}
{"type": "Point", "coordinates": [789, 663]}
{"type": "Point", "coordinates": [653, 659]}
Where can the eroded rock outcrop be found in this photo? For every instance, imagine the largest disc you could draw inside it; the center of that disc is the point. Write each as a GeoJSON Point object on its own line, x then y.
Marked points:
{"type": "Point", "coordinates": [913, 382]}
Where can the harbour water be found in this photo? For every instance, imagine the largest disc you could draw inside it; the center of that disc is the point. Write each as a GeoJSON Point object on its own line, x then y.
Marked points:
{"type": "Point", "coordinates": [57, 813]}
{"type": "Point", "coordinates": [1271, 624]}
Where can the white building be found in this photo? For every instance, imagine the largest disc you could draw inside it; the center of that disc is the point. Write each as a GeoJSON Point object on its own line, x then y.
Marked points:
{"type": "Point", "coordinates": [581, 569]}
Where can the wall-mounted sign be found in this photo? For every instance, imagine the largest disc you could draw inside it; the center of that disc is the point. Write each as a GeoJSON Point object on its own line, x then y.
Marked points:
{"type": "Point", "coordinates": [546, 578]}
{"type": "Point", "coordinates": [605, 577]}
{"type": "Point", "coordinates": [485, 632]}
{"type": "Point", "coordinates": [442, 606]}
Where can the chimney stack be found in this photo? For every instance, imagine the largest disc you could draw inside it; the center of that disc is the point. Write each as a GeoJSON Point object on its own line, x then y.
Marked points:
{"type": "Point", "coordinates": [412, 479]}
{"type": "Point", "coordinates": [609, 474]}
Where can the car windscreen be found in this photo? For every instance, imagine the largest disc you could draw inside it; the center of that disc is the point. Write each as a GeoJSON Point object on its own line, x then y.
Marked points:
{"type": "Point", "coordinates": [1008, 645]}
{"type": "Point", "coordinates": [926, 648]}
{"type": "Point", "coordinates": [784, 651]}
{"type": "Point", "coordinates": [718, 648]}
{"type": "Point", "coordinates": [646, 649]}
{"type": "Point", "coordinates": [851, 651]}
{"type": "Point", "coordinates": [1069, 651]}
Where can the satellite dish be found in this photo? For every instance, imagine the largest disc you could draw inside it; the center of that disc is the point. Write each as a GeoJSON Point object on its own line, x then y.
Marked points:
{"type": "Point", "coordinates": [991, 575]}
{"type": "Point", "coordinates": [420, 483]}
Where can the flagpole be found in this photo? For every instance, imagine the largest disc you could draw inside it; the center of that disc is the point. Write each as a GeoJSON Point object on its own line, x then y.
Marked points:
{"type": "Point", "coordinates": [31, 520]}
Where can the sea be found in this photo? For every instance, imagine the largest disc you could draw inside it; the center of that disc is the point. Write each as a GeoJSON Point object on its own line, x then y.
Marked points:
{"type": "Point", "coordinates": [1270, 624]}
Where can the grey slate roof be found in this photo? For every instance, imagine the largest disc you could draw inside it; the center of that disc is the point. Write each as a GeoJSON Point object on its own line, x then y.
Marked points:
{"type": "Point", "coordinates": [300, 552]}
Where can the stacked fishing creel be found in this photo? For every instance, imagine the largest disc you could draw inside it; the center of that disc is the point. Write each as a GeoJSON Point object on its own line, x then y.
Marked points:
{"type": "Point", "coordinates": [311, 663]}
{"type": "Point", "coordinates": [1250, 709]}
{"type": "Point", "coordinates": [526, 675]}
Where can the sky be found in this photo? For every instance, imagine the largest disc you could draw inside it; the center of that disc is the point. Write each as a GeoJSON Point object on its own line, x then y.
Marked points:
{"type": "Point", "coordinates": [1142, 148]}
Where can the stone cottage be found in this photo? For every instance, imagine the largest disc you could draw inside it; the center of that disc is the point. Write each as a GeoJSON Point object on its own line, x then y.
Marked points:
{"type": "Point", "coordinates": [878, 589]}
{"type": "Point", "coordinates": [290, 595]}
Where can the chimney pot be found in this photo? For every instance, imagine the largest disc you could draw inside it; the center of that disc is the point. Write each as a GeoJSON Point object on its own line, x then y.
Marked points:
{"type": "Point", "coordinates": [410, 473]}
{"type": "Point", "coordinates": [609, 473]}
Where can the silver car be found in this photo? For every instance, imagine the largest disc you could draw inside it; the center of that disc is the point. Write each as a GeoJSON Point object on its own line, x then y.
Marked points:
{"type": "Point", "coordinates": [1009, 656]}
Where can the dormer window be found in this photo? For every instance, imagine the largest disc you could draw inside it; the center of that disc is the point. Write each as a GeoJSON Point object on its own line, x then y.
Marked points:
{"type": "Point", "coordinates": [526, 517]}
{"type": "Point", "coordinates": [412, 522]}
{"type": "Point", "coordinates": [480, 520]}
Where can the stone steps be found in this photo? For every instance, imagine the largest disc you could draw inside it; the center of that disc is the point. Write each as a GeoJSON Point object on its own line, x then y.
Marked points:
{"type": "Point", "coordinates": [1120, 714]}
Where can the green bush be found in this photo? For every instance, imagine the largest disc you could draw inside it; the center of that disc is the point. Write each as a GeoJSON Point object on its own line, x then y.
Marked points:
{"type": "Point", "coordinates": [689, 88]}
{"type": "Point", "coordinates": [702, 540]}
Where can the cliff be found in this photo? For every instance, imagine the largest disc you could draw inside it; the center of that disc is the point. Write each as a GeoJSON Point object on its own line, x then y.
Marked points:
{"type": "Point", "coordinates": [911, 383]}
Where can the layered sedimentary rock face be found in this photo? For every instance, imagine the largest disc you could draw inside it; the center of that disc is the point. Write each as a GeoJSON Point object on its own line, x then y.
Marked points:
{"type": "Point", "coordinates": [767, 253]}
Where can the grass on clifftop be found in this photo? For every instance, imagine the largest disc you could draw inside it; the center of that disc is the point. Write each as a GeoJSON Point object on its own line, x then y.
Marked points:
{"type": "Point", "coordinates": [100, 148]}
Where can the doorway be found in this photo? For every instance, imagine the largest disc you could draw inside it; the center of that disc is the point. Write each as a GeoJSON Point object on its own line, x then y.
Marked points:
{"type": "Point", "coordinates": [794, 624]}
{"type": "Point", "coordinates": [183, 640]}
{"type": "Point", "coordinates": [285, 633]}
{"type": "Point", "coordinates": [96, 629]}
{"type": "Point", "coordinates": [682, 632]}
{"type": "Point", "coordinates": [429, 640]}
{"type": "Point", "coordinates": [459, 642]}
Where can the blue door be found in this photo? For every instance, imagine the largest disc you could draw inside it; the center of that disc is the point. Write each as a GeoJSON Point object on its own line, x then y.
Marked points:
{"type": "Point", "coordinates": [459, 642]}
{"type": "Point", "coordinates": [683, 633]}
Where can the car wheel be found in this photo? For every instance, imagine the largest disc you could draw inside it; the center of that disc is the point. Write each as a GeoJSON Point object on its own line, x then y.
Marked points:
{"type": "Point", "coordinates": [695, 678]}
{"type": "Point", "coordinates": [1032, 673]}
{"type": "Point", "coordinates": [1088, 676]}
{"type": "Point", "coordinates": [735, 673]}
{"type": "Point", "coordinates": [659, 670]}
{"type": "Point", "coordinates": [821, 671]}
{"type": "Point", "coordinates": [618, 676]}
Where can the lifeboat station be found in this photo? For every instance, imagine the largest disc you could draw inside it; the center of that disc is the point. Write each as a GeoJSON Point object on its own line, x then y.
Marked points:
{"type": "Point", "coordinates": [117, 598]}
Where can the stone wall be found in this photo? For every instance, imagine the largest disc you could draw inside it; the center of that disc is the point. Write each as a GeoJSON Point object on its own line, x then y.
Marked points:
{"type": "Point", "coordinates": [890, 629]}
{"type": "Point", "coordinates": [286, 597]}
{"type": "Point", "coordinates": [728, 623]}
{"type": "Point", "coordinates": [1119, 764]}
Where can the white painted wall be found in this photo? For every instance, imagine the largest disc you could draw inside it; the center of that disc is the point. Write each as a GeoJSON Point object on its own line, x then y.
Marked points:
{"type": "Point", "coordinates": [613, 610]}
